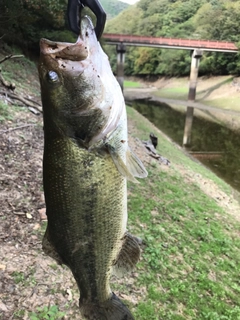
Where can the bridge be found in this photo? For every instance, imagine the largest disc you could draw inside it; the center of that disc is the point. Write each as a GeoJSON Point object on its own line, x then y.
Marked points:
{"type": "Point", "coordinates": [196, 46]}
{"type": "Point", "coordinates": [170, 43]}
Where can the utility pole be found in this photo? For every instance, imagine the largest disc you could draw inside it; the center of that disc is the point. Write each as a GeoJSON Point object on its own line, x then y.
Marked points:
{"type": "Point", "coordinates": [121, 50]}
{"type": "Point", "coordinates": [196, 56]}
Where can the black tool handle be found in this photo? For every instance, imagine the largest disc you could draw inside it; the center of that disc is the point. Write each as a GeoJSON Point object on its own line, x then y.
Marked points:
{"type": "Point", "coordinates": [74, 10]}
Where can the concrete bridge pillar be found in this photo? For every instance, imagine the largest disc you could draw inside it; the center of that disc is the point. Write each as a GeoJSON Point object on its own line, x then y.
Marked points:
{"type": "Point", "coordinates": [196, 56]}
{"type": "Point", "coordinates": [121, 50]}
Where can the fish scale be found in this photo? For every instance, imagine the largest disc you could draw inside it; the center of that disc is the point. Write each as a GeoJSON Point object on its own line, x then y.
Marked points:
{"type": "Point", "coordinates": [73, 189]}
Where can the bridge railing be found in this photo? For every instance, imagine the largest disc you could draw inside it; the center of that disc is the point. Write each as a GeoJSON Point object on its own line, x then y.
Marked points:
{"type": "Point", "coordinates": [171, 41]}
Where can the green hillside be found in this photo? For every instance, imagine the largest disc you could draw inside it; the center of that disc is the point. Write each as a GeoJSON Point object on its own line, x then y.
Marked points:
{"type": "Point", "coordinates": [113, 7]}
{"type": "Point", "coordinates": [23, 23]}
{"type": "Point", "coordinates": [194, 19]}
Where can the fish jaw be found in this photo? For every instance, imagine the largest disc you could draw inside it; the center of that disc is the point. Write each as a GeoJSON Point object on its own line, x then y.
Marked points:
{"type": "Point", "coordinates": [85, 83]}
{"type": "Point", "coordinates": [71, 57]}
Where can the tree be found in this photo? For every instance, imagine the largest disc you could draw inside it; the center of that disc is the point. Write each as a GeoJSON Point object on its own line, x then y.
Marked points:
{"type": "Point", "coordinates": [24, 22]}
{"type": "Point", "coordinates": [196, 19]}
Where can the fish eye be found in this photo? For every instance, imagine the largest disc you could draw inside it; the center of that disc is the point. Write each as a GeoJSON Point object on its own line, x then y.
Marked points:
{"type": "Point", "coordinates": [52, 76]}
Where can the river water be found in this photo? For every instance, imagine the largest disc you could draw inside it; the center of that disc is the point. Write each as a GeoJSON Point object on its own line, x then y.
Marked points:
{"type": "Point", "coordinates": [222, 143]}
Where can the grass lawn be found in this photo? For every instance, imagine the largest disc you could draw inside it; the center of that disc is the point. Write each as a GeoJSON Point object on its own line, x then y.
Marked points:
{"type": "Point", "coordinates": [231, 103]}
{"type": "Point", "coordinates": [173, 93]}
{"type": "Point", "coordinates": [131, 84]}
{"type": "Point", "coordinates": [190, 262]}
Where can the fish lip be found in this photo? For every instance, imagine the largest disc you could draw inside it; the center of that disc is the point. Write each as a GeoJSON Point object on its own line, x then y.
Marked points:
{"type": "Point", "coordinates": [87, 33]}
{"type": "Point", "coordinates": [86, 29]}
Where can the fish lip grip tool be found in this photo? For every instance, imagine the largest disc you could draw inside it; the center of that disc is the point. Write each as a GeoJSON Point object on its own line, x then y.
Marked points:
{"type": "Point", "coordinates": [74, 13]}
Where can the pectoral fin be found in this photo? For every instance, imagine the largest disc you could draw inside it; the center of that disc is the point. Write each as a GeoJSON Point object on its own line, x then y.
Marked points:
{"type": "Point", "coordinates": [121, 166]}
{"type": "Point", "coordinates": [133, 167]}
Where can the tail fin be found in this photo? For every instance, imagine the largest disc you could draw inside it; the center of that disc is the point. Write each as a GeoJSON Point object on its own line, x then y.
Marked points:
{"type": "Point", "coordinates": [112, 309]}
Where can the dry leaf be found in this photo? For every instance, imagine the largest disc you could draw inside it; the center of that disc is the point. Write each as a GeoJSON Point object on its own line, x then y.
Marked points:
{"type": "Point", "coordinates": [36, 226]}
{"type": "Point", "coordinates": [2, 267]}
{"type": "Point", "coordinates": [42, 213]}
{"type": "Point", "coordinates": [3, 306]}
{"type": "Point", "coordinates": [69, 292]}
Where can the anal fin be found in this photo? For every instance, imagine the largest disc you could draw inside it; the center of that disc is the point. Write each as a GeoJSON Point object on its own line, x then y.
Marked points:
{"type": "Point", "coordinates": [128, 255]}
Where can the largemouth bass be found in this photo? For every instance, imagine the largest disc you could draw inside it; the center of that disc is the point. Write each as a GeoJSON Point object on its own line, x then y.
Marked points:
{"type": "Point", "coordinates": [85, 166]}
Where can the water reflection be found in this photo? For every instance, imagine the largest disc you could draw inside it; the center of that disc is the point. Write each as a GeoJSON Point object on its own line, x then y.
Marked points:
{"type": "Point", "coordinates": [206, 136]}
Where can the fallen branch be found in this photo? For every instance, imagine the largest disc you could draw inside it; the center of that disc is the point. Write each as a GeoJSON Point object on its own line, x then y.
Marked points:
{"type": "Point", "coordinates": [7, 84]}
{"type": "Point", "coordinates": [17, 128]}
{"type": "Point", "coordinates": [26, 101]}
{"type": "Point", "coordinates": [11, 56]}
{"type": "Point", "coordinates": [33, 101]}
{"type": "Point", "coordinates": [23, 100]}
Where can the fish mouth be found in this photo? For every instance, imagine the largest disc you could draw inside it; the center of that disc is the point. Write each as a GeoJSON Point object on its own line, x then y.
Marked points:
{"type": "Point", "coordinates": [67, 54]}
